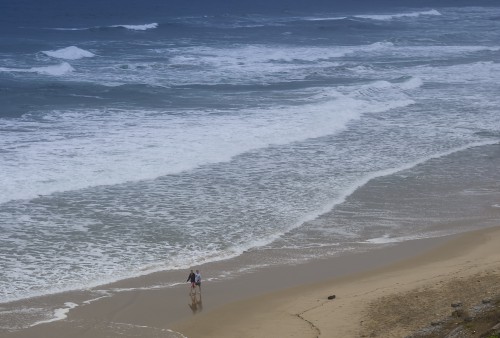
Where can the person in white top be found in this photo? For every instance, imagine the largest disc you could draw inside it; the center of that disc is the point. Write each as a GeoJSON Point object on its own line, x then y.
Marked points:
{"type": "Point", "coordinates": [197, 279]}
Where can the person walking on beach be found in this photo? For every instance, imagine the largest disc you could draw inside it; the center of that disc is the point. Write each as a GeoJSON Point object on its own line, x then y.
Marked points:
{"type": "Point", "coordinates": [192, 279]}
{"type": "Point", "coordinates": [197, 279]}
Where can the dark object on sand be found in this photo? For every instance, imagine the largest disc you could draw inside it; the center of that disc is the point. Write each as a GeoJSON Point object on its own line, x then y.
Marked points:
{"type": "Point", "coordinates": [331, 297]}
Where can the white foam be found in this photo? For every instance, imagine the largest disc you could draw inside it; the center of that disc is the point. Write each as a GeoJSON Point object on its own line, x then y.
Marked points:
{"type": "Point", "coordinates": [239, 64]}
{"type": "Point", "coordinates": [154, 329]}
{"type": "Point", "coordinates": [379, 45]}
{"type": "Point", "coordinates": [477, 72]}
{"type": "Point", "coordinates": [155, 287]}
{"type": "Point", "coordinates": [68, 29]}
{"type": "Point", "coordinates": [259, 57]}
{"type": "Point", "coordinates": [363, 181]}
{"type": "Point", "coordinates": [176, 333]}
{"type": "Point", "coordinates": [387, 239]}
{"type": "Point", "coordinates": [57, 70]}
{"type": "Point", "coordinates": [54, 70]}
{"type": "Point", "coordinates": [328, 206]}
{"type": "Point", "coordinates": [326, 18]}
{"type": "Point", "coordinates": [59, 314]}
{"type": "Point", "coordinates": [105, 294]}
{"type": "Point", "coordinates": [386, 17]}
{"type": "Point", "coordinates": [107, 273]}
{"type": "Point", "coordinates": [149, 148]}
{"type": "Point", "coordinates": [138, 27]}
{"type": "Point", "coordinates": [256, 64]}
{"type": "Point", "coordinates": [412, 83]}
{"type": "Point", "coordinates": [69, 53]}
{"type": "Point", "coordinates": [131, 27]}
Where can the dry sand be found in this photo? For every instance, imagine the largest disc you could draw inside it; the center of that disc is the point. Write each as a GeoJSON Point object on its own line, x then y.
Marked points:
{"type": "Point", "coordinates": [389, 292]}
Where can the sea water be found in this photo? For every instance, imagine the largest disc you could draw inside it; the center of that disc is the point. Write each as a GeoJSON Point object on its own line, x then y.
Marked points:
{"type": "Point", "coordinates": [141, 140]}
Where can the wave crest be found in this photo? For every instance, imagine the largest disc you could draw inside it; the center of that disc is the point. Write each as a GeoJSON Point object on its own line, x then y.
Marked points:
{"type": "Point", "coordinates": [69, 53]}
{"type": "Point", "coordinates": [412, 83]}
{"type": "Point", "coordinates": [97, 28]}
{"type": "Point", "coordinates": [138, 27]}
{"type": "Point", "coordinates": [387, 17]}
{"type": "Point", "coordinates": [54, 70]}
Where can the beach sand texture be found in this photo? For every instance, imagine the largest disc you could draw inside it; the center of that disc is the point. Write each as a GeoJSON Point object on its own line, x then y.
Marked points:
{"type": "Point", "coordinates": [390, 292]}
{"type": "Point", "coordinates": [394, 301]}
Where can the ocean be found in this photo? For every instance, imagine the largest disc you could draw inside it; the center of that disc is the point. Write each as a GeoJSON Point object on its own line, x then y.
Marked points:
{"type": "Point", "coordinates": [154, 136]}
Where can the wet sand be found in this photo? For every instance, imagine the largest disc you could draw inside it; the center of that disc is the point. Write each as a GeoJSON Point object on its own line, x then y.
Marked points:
{"type": "Point", "coordinates": [392, 301]}
{"type": "Point", "coordinates": [282, 301]}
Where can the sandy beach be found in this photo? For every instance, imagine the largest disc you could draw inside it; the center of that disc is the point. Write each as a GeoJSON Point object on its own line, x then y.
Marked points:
{"type": "Point", "coordinates": [387, 292]}
{"type": "Point", "coordinates": [393, 301]}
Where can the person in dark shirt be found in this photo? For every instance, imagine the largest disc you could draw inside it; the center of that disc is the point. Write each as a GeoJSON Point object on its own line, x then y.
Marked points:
{"type": "Point", "coordinates": [192, 278]}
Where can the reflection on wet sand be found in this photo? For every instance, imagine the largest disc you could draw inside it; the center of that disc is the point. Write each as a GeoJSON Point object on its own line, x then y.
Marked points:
{"type": "Point", "coordinates": [195, 303]}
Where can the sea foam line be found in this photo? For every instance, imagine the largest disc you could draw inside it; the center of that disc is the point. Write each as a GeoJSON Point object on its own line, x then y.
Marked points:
{"type": "Point", "coordinates": [384, 17]}
{"type": "Point", "coordinates": [327, 18]}
{"type": "Point", "coordinates": [131, 27]}
{"type": "Point", "coordinates": [386, 239]}
{"type": "Point", "coordinates": [318, 122]}
{"type": "Point", "coordinates": [137, 27]}
{"type": "Point", "coordinates": [237, 251]}
{"type": "Point", "coordinates": [59, 314]}
{"type": "Point", "coordinates": [54, 70]}
{"type": "Point", "coordinates": [387, 17]}
{"type": "Point", "coordinates": [341, 199]}
{"type": "Point", "coordinates": [180, 335]}
{"type": "Point", "coordinates": [381, 173]}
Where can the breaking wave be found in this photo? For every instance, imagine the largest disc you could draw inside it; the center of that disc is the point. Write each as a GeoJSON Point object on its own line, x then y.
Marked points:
{"type": "Point", "coordinates": [54, 70]}
{"type": "Point", "coordinates": [386, 17]}
{"type": "Point", "coordinates": [69, 53]}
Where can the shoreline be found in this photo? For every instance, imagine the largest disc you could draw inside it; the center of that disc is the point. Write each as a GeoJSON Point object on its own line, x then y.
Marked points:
{"type": "Point", "coordinates": [363, 301]}
{"type": "Point", "coordinates": [155, 312]}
